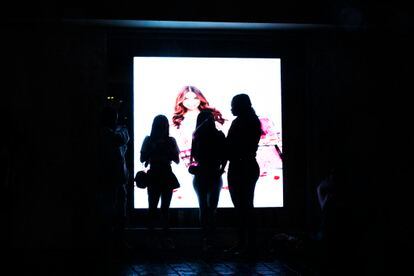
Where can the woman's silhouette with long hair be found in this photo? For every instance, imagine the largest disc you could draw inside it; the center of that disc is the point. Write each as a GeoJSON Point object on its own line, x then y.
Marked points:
{"type": "Point", "coordinates": [159, 150]}
{"type": "Point", "coordinates": [208, 152]}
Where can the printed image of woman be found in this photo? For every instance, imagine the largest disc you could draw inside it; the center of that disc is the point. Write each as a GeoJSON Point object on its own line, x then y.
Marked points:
{"type": "Point", "coordinates": [188, 104]}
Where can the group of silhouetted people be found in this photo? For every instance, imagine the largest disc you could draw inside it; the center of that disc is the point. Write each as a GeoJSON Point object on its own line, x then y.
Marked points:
{"type": "Point", "coordinates": [210, 153]}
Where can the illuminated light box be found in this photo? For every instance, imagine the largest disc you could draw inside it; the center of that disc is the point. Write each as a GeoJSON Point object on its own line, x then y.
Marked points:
{"type": "Point", "coordinates": [158, 82]}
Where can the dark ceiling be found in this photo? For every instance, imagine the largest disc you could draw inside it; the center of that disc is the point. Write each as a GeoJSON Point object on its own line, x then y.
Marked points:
{"type": "Point", "coordinates": [337, 12]}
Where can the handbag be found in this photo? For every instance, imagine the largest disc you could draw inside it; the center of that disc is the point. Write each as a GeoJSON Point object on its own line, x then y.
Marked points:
{"type": "Point", "coordinates": [193, 169]}
{"type": "Point", "coordinates": [141, 179]}
{"type": "Point", "coordinates": [175, 184]}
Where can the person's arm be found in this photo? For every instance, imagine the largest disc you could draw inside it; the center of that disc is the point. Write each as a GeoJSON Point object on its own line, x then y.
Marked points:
{"type": "Point", "coordinates": [175, 151]}
{"type": "Point", "coordinates": [230, 140]}
{"type": "Point", "coordinates": [222, 152]}
{"type": "Point", "coordinates": [124, 134]}
{"type": "Point", "coordinates": [145, 151]}
{"type": "Point", "coordinates": [194, 151]}
{"type": "Point", "coordinates": [118, 137]}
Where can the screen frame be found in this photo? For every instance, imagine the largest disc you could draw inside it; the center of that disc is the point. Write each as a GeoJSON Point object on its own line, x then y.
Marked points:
{"type": "Point", "coordinates": [124, 45]}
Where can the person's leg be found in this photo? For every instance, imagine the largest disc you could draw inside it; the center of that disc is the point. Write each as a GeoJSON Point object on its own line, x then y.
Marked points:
{"type": "Point", "coordinates": [200, 189]}
{"type": "Point", "coordinates": [235, 177]}
{"type": "Point", "coordinates": [166, 196]}
{"type": "Point", "coordinates": [249, 225]}
{"type": "Point", "coordinates": [106, 218]}
{"type": "Point", "coordinates": [120, 217]}
{"type": "Point", "coordinates": [212, 202]}
{"type": "Point", "coordinates": [153, 199]}
{"type": "Point", "coordinates": [242, 180]}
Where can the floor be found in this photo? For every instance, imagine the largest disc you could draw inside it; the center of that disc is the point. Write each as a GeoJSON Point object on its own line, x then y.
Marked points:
{"type": "Point", "coordinates": [211, 267]}
{"type": "Point", "coordinates": [144, 257]}
{"type": "Point", "coordinates": [188, 258]}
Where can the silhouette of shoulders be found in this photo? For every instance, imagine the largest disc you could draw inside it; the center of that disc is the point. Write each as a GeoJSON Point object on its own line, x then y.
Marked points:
{"type": "Point", "coordinates": [162, 149]}
{"type": "Point", "coordinates": [244, 136]}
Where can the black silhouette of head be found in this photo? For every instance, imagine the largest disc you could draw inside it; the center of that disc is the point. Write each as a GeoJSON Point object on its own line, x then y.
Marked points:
{"type": "Point", "coordinates": [240, 104]}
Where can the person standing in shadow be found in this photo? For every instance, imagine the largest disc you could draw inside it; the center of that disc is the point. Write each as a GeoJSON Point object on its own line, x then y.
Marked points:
{"type": "Point", "coordinates": [114, 177]}
{"type": "Point", "coordinates": [337, 222]}
{"type": "Point", "coordinates": [207, 153]}
{"type": "Point", "coordinates": [158, 150]}
{"type": "Point", "coordinates": [242, 143]}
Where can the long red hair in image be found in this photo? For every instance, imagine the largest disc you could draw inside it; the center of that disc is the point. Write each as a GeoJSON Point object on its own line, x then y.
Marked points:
{"type": "Point", "coordinates": [180, 109]}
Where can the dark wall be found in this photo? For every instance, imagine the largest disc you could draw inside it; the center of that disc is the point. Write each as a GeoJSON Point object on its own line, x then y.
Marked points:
{"type": "Point", "coordinates": [359, 119]}
{"type": "Point", "coordinates": [345, 98]}
{"type": "Point", "coordinates": [55, 87]}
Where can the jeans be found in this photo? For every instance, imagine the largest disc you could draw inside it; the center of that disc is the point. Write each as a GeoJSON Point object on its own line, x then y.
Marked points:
{"type": "Point", "coordinates": [242, 178]}
{"type": "Point", "coordinates": [207, 186]}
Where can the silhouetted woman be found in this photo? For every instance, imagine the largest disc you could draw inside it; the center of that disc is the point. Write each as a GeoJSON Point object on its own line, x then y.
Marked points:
{"type": "Point", "coordinates": [208, 153]}
{"type": "Point", "coordinates": [158, 150]}
{"type": "Point", "coordinates": [242, 143]}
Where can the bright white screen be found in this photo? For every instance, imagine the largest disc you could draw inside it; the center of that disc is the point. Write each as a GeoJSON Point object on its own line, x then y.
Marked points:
{"type": "Point", "coordinates": [158, 80]}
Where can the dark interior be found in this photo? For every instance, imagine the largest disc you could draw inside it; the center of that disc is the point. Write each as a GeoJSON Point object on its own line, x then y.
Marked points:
{"type": "Point", "coordinates": [346, 98]}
